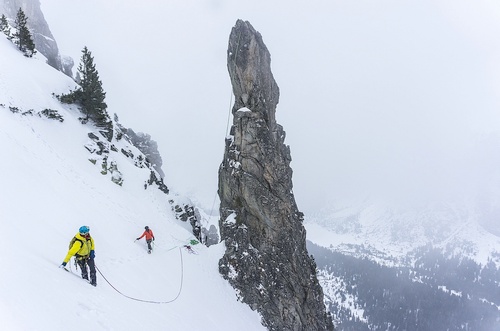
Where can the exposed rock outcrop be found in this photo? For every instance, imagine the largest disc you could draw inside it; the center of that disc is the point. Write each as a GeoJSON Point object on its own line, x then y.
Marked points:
{"type": "Point", "coordinates": [42, 36]}
{"type": "Point", "coordinates": [183, 208]}
{"type": "Point", "coordinates": [149, 147]}
{"type": "Point", "coordinates": [266, 259]}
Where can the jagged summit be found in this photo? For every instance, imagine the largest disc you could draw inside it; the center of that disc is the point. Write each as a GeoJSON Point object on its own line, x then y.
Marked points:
{"type": "Point", "coordinates": [249, 65]}
{"type": "Point", "coordinates": [266, 259]}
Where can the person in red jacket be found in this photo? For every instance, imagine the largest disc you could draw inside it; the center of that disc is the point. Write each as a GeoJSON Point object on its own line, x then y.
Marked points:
{"type": "Point", "coordinates": [150, 237]}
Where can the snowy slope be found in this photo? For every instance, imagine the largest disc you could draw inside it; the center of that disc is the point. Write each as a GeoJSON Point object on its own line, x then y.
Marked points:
{"type": "Point", "coordinates": [49, 189]}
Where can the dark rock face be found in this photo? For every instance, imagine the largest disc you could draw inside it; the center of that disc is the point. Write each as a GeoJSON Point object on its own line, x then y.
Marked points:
{"type": "Point", "coordinates": [149, 147]}
{"type": "Point", "coordinates": [42, 36]}
{"type": "Point", "coordinates": [266, 259]}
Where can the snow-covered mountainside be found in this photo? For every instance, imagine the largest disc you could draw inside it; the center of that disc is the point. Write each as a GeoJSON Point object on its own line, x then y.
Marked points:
{"type": "Point", "coordinates": [389, 233]}
{"type": "Point", "coordinates": [50, 187]}
{"type": "Point", "coordinates": [381, 267]}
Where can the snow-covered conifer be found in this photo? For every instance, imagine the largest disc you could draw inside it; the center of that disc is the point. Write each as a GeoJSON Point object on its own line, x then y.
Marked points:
{"type": "Point", "coordinates": [23, 38]}
{"type": "Point", "coordinates": [5, 27]}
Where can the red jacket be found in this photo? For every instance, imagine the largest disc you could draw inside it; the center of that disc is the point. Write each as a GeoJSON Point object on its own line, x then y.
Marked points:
{"type": "Point", "coordinates": [149, 234]}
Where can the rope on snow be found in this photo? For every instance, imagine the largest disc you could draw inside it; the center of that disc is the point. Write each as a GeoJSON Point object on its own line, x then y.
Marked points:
{"type": "Point", "coordinates": [149, 301]}
{"type": "Point", "coordinates": [180, 249]}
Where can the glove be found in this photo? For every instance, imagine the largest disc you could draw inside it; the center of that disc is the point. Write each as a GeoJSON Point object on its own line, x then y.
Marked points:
{"type": "Point", "coordinates": [62, 265]}
{"type": "Point", "coordinates": [137, 238]}
{"type": "Point", "coordinates": [153, 238]}
{"type": "Point", "coordinates": [92, 254]}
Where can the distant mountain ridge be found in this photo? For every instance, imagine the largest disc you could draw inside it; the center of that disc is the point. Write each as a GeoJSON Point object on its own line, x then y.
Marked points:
{"type": "Point", "coordinates": [434, 268]}
{"type": "Point", "coordinates": [394, 232]}
{"type": "Point", "coordinates": [432, 291]}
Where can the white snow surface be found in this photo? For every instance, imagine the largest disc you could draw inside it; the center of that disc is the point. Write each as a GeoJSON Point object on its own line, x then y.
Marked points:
{"type": "Point", "coordinates": [49, 189]}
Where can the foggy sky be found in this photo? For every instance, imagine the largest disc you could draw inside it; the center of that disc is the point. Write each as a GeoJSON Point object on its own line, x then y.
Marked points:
{"type": "Point", "coordinates": [389, 98]}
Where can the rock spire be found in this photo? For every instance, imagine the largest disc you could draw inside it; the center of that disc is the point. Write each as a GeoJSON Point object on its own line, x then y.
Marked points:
{"type": "Point", "coordinates": [266, 259]}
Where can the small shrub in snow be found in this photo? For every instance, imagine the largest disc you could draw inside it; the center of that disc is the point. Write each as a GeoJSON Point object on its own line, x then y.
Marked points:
{"type": "Point", "coordinates": [52, 114]}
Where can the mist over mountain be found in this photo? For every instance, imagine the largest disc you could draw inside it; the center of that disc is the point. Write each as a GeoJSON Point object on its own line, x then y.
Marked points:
{"type": "Point", "coordinates": [53, 182]}
{"type": "Point", "coordinates": [64, 170]}
{"type": "Point", "coordinates": [398, 99]}
{"type": "Point", "coordinates": [392, 121]}
{"type": "Point", "coordinates": [40, 30]}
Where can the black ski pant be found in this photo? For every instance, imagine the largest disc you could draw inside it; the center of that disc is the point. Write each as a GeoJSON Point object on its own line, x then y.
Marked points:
{"type": "Point", "coordinates": [83, 263]}
{"type": "Point", "coordinates": [149, 243]}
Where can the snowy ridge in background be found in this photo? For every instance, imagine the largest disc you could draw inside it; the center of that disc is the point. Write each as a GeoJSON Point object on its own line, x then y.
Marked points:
{"type": "Point", "coordinates": [380, 269]}
{"type": "Point", "coordinates": [387, 234]}
{"type": "Point", "coordinates": [49, 189]}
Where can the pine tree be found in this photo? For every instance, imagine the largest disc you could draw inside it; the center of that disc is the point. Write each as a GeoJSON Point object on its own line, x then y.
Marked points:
{"type": "Point", "coordinates": [91, 94]}
{"type": "Point", "coordinates": [92, 99]}
{"type": "Point", "coordinates": [4, 26]}
{"type": "Point", "coordinates": [24, 40]}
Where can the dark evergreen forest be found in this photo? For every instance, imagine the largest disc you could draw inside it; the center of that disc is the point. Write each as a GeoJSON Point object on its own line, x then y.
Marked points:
{"type": "Point", "coordinates": [434, 292]}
